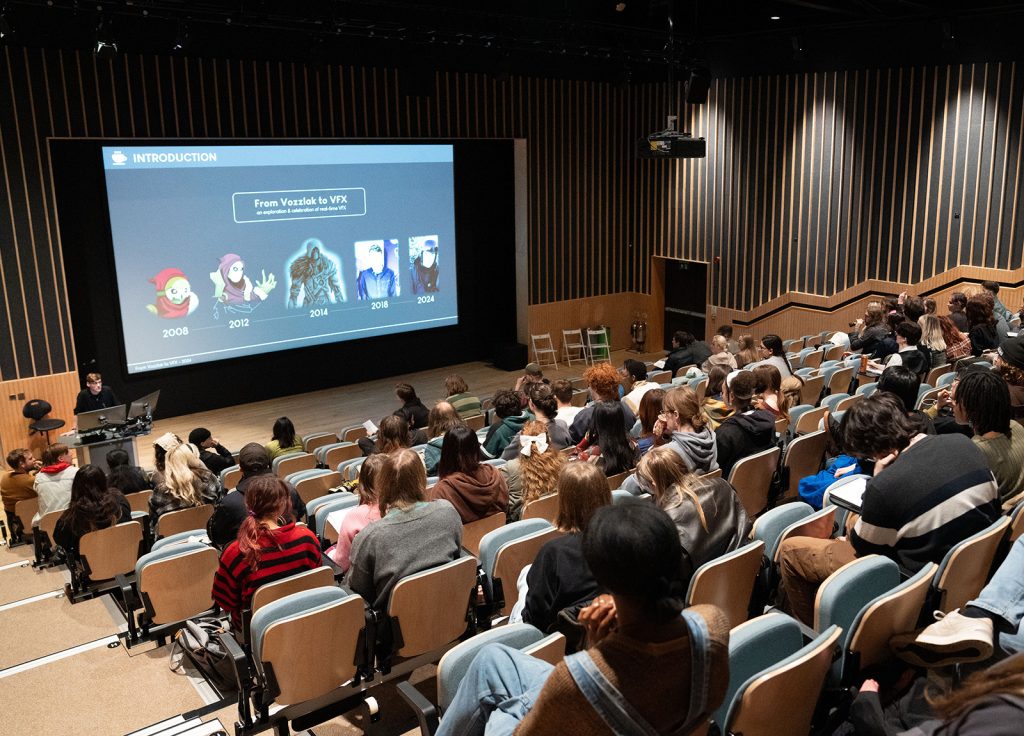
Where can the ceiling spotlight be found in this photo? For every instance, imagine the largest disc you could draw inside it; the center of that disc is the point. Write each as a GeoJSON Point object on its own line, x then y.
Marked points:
{"type": "Point", "coordinates": [106, 46]}
{"type": "Point", "coordinates": [5, 23]}
{"type": "Point", "coordinates": [182, 40]}
{"type": "Point", "coordinates": [776, 17]}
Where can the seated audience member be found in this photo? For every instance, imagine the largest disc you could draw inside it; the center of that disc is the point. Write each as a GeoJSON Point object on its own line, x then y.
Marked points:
{"type": "Point", "coordinates": [958, 344]}
{"type": "Point", "coordinates": [532, 376]}
{"type": "Point", "coordinates": [682, 423]}
{"type": "Point", "coordinates": [603, 381]}
{"type": "Point", "coordinates": [686, 350]}
{"type": "Point", "coordinates": [95, 395]}
{"type": "Point", "coordinates": [930, 306]}
{"type": "Point", "coordinates": [392, 434]}
{"type": "Point", "coordinates": [412, 535]}
{"type": "Point", "coordinates": [749, 430]}
{"type": "Point", "coordinates": [932, 340]}
{"type": "Point", "coordinates": [457, 394]}
{"type": "Point", "coordinates": [563, 395]}
{"type": "Point", "coordinates": [958, 311]}
{"type": "Point", "coordinates": [1009, 364]}
{"type": "Point", "coordinates": [720, 355]}
{"type": "Point", "coordinates": [230, 511]}
{"type": "Point", "coordinates": [608, 443]}
{"type": "Point", "coordinates": [772, 353]}
{"type": "Point", "coordinates": [544, 407]}
{"type": "Point", "coordinates": [714, 409]}
{"type": "Point", "coordinates": [887, 345]}
{"type": "Point", "coordinates": [413, 410]}
{"type": "Point", "coordinates": [510, 418]}
{"type": "Point", "coordinates": [982, 400]}
{"type": "Point", "coordinates": [726, 332]}
{"type": "Point", "coordinates": [748, 353]}
{"type": "Point", "coordinates": [928, 493]}
{"type": "Point", "coordinates": [869, 330]}
{"type": "Point", "coordinates": [18, 485]}
{"type": "Point", "coordinates": [635, 383]}
{"type": "Point", "coordinates": [650, 410]}
{"type": "Point", "coordinates": [161, 446]}
{"type": "Point", "coordinates": [768, 388]}
{"type": "Point", "coordinates": [998, 308]}
{"type": "Point", "coordinates": [358, 518]}
{"type": "Point", "coordinates": [792, 389]}
{"type": "Point", "coordinates": [52, 483]}
{"type": "Point", "coordinates": [475, 489]}
{"type": "Point", "coordinates": [707, 513]}
{"type": "Point", "coordinates": [983, 332]}
{"type": "Point", "coordinates": [124, 476]}
{"type": "Point", "coordinates": [907, 354]}
{"type": "Point", "coordinates": [973, 633]}
{"type": "Point", "coordinates": [905, 385]}
{"type": "Point", "coordinates": [534, 471]}
{"type": "Point", "coordinates": [93, 506]}
{"type": "Point", "coordinates": [270, 547]}
{"type": "Point", "coordinates": [185, 484]}
{"type": "Point", "coordinates": [214, 455]}
{"type": "Point", "coordinates": [646, 658]}
{"type": "Point", "coordinates": [913, 307]}
{"type": "Point", "coordinates": [559, 577]}
{"type": "Point", "coordinates": [442, 418]}
{"type": "Point", "coordinates": [283, 439]}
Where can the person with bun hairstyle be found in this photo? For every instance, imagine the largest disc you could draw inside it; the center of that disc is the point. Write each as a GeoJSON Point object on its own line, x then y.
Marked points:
{"type": "Point", "coordinates": [270, 547]}
{"type": "Point", "coordinates": [749, 430]}
{"type": "Point", "coordinates": [640, 646]}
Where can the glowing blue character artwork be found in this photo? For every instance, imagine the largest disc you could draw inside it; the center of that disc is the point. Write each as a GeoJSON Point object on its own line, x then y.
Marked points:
{"type": "Point", "coordinates": [376, 263]}
{"type": "Point", "coordinates": [313, 273]}
{"type": "Point", "coordinates": [233, 291]}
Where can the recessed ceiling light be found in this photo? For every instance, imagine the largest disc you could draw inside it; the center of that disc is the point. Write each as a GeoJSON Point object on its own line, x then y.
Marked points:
{"type": "Point", "coordinates": [776, 17]}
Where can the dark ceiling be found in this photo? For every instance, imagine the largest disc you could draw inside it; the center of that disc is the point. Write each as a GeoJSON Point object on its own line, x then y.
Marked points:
{"type": "Point", "coordinates": [588, 39]}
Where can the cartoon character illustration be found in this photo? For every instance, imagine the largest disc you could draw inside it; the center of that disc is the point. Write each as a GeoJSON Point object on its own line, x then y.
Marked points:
{"type": "Point", "coordinates": [423, 269]}
{"type": "Point", "coordinates": [174, 296]}
{"type": "Point", "coordinates": [316, 275]}
{"type": "Point", "coordinates": [376, 280]}
{"type": "Point", "coordinates": [233, 290]}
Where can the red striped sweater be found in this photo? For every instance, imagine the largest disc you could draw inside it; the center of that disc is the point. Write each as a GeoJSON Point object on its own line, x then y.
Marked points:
{"type": "Point", "coordinates": [286, 551]}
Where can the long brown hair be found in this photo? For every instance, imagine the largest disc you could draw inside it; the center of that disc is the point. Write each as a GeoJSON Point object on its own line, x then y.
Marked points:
{"type": "Point", "coordinates": [668, 479]}
{"type": "Point", "coordinates": [93, 505]}
{"type": "Point", "coordinates": [442, 418]}
{"type": "Point", "coordinates": [539, 469]}
{"type": "Point", "coordinates": [369, 478]}
{"type": "Point", "coordinates": [402, 480]}
{"type": "Point", "coordinates": [582, 490]}
{"type": "Point", "coordinates": [393, 434]}
{"type": "Point", "coordinates": [1004, 677]}
{"type": "Point", "coordinates": [683, 401]}
{"type": "Point", "coordinates": [748, 351]}
{"type": "Point", "coordinates": [267, 499]}
{"type": "Point", "coordinates": [767, 378]}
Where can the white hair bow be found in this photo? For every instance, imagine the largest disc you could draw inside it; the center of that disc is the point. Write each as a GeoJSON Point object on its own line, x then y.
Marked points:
{"type": "Point", "coordinates": [527, 441]}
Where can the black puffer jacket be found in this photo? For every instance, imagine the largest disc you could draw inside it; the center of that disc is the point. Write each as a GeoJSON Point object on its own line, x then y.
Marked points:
{"type": "Point", "coordinates": [744, 434]}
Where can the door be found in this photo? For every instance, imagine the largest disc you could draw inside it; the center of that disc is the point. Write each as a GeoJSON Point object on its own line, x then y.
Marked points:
{"type": "Point", "coordinates": [686, 291]}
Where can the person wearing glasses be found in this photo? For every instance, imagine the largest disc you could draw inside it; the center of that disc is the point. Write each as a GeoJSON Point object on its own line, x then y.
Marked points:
{"type": "Point", "coordinates": [95, 395]}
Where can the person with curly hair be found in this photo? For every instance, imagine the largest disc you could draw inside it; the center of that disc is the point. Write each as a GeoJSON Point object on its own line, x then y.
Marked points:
{"type": "Point", "coordinates": [534, 471]}
{"type": "Point", "coordinates": [186, 483]}
{"type": "Point", "coordinates": [603, 381]}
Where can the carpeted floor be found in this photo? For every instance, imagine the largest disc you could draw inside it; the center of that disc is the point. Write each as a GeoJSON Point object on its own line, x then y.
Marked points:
{"type": "Point", "coordinates": [24, 581]}
{"type": "Point", "coordinates": [99, 691]}
{"type": "Point", "coordinates": [51, 625]}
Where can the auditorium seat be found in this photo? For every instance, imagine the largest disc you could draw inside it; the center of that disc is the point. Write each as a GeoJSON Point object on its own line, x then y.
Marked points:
{"type": "Point", "coordinates": [311, 442]}
{"type": "Point", "coordinates": [545, 507]}
{"type": "Point", "coordinates": [474, 531]}
{"type": "Point", "coordinates": [504, 552]}
{"type": "Point", "coordinates": [332, 455]}
{"type": "Point", "coordinates": [352, 433]}
{"type": "Point", "coordinates": [728, 582]}
{"type": "Point", "coordinates": [318, 577]}
{"type": "Point", "coordinates": [316, 483]}
{"type": "Point", "coordinates": [752, 479]}
{"type": "Point", "coordinates": [810, 392]}
{"type": "Point", "coordinates": [291, 462]}
{"type": "Point", "coordinates": [183, 520]}
{"type": "Point", "coordinates": [804, 457]}
{"type": "Point", "coordinates": [102, 556]}
{"type": "Point", "coordinates": [965, 568]}
{"type": "Point", "coordinates": [769, 526]}
{"type": "Point", "coordinates": [229, 477]}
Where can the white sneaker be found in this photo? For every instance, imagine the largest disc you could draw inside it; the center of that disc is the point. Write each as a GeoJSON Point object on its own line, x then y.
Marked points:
{"type": "Point", "coordinates": [952, 639]}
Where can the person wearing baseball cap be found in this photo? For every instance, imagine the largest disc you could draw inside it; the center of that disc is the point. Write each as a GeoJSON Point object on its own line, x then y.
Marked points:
{"type": "Point", "coordinates": [1009, 363]}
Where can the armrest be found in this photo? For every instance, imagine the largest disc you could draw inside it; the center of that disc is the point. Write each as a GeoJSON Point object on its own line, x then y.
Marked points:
{"type": "Point", "coordinates": [243, 674]}
{"type": "Point", "coordinates": [426, 712]}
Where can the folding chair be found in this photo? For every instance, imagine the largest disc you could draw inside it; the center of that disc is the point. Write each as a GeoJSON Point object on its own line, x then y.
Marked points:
{"type": "Point", "coordinates": [846, 403]}
{"type": "Point", "coordinates": [474, 531]}
{"type": "Point", "coordinates": [728, 582]}
{"type": "Point", "coordinates": [314, 486]}
{"type": "Point", "coordinates": [572, 342]}
{"type": "Point", "coordinates": [770, 525]}
{"type": "Point", "coordinates": [504, 553]}
{"type": "Point", "coordinates": [835, 352]}
{"type": "Point", "coordinates": [813, 359]}
{"type": "Point", "coordinates": [542, 346]}
{"type": "Point", "coordinates": [810, 392]}
{"type": "Point", "coordinates": [752, 479]}
{"type": "Point", "coordinates": [318, 577]}
{"type": "Point", "coordinates": [832, 400]}
{"type": "Point", "coordinates": [333, 454]}
{"type": "Point", "coordinates": [811, 420]}
{"type": "Point", "coordinates": [352, 433]}
{"type": "Point", "coordinates": [597, 345]}
{"type": "Point", "coordinates": [839, 382]}
{"type": "Point", "coordinates": [229, 478]}
{"type": "Point", "coordinates": [183, 520]}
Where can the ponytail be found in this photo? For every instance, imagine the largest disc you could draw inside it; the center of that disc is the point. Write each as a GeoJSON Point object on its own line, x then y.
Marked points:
{"type": "Point", "coordinates": [266, 497]}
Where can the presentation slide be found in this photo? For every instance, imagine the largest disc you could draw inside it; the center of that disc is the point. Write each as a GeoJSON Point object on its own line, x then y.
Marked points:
{"type": "Point", "coordinates": [228, 251]}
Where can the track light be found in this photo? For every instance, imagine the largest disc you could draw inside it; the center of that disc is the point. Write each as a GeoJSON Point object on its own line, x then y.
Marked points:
{"type": "Point", "coordinates": [182, 40]}
{"type": "Point", "coordinates": [106, 46]}
{"type": "Point", "coordinates": [5, 24]}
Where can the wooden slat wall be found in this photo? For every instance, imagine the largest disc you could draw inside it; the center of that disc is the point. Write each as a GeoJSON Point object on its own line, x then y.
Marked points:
{"type": "Point", "coordinates": [60, 390]}
{"type": "Point", "coordinates": [819, 183]}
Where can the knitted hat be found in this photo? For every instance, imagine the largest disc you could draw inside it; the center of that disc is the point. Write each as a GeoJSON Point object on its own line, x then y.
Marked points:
{"type": "Point", "coordinates": [167, 441]}
{"type": "Point", "coordinates": [533, 369]}
{"type": "Point", "coordinates": [1012, 351]}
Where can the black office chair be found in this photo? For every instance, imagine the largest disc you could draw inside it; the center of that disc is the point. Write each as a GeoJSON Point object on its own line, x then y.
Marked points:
{"type": "Point", "coordinates": [36, 410]}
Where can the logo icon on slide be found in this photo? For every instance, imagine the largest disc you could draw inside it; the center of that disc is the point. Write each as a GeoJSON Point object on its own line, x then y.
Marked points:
{"type": "Point", "coordinates": [118, 158]}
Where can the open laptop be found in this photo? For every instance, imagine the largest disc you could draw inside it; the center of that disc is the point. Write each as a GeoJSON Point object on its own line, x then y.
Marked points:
{"type": "Point", "coordinates": [138, 407]}
{"type": "Point", "coordinates": [89, 420]}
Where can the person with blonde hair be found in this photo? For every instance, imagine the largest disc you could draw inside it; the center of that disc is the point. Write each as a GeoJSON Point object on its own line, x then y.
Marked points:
{"type": "Point", "coordinates": [707, 513]}
{"type": "Point", "coordinates": [748, 352]}
{"type": "Point", "coordinates": [559, 577]}
{"type": "Point", "coordinates": [534, 472]}
{"type": "Point", "coordinates": [720, 355]}
{"type": "Point", "coordinates": [792, 387]}
{"type": "Point", "coordinates": [186, 482]}
{"type": "Point", "coordinates": [412, 535]}
{"type": "Point", "coordinates": [931, 338]}
{"type": "Point", "coordinates": [714, 409]}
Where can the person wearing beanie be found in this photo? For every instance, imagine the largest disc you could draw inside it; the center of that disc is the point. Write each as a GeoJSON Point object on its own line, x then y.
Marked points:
{"type": "Point", "coordinates": [213, 454]}
{"type": "Point", "coordinates": [230, 512]}
{"type": "Point", "coordinates": [1009, 364]}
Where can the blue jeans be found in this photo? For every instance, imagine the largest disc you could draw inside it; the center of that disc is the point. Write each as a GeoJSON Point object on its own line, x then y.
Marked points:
{"type": "Point", "coordinates": [1003, 597]}
{"type": "Point", "coordinates": [498, 690]}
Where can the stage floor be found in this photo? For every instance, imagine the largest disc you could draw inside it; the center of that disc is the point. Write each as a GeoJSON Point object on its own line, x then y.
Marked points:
{"type": "Point", "coordinates": [331, 409]}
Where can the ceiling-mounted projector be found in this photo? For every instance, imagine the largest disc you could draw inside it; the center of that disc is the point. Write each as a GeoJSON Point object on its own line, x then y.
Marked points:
{"type": "Point", "coordinates": [670, 143]}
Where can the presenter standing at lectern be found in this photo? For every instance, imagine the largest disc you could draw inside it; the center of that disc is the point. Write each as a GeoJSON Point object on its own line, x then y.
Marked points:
{"type": "Point", "coordinates": [95, 395]}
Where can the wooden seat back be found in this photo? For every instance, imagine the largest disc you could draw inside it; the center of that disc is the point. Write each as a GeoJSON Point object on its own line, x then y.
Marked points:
{"type": "Point", "coordinates": [184, 520]}
{"type": "Point", "coordinates": [317, 486]}
{"type": "Point", "coordinates": [112, 551]}
{"type": "Point", "coordinates": [752, 479]}
{"type": "Point", "coordinates": [728, 582]}
{"type": "Point", "coordinates": [431, 606]}
{"type": "Point", "coordinates": [545, 507]}
{"type": "Point", "coordinates": [511, 560]}
{"type": "Point", "coordinates": [180, 587]}
{"type": "Point", "coordinates": [474, 531]}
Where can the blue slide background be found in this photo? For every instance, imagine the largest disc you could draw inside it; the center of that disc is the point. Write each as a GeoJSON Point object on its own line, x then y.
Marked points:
{"type": "Point", "coordinates": [182, 217]}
